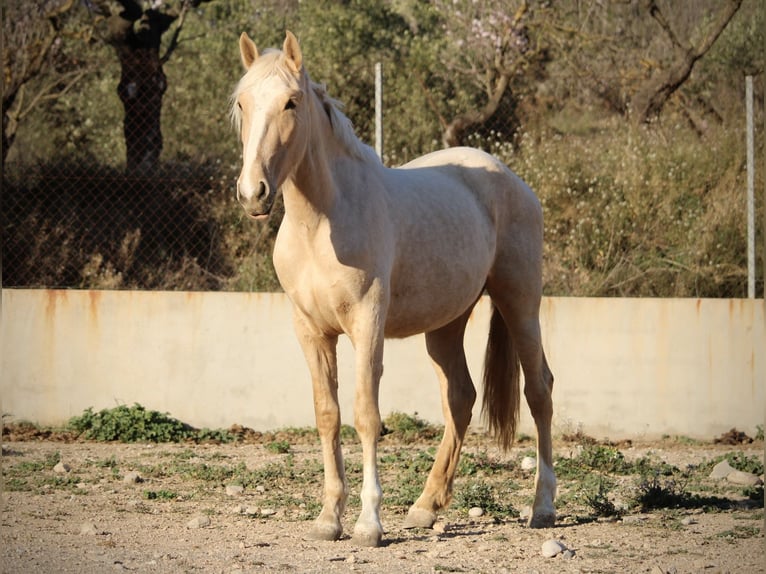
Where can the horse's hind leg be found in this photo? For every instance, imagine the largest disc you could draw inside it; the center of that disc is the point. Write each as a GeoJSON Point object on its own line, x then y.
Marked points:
{"type": "Point", "coordinates": [520, 310]}
{"type": "Point", "coordinates": [445, 347]}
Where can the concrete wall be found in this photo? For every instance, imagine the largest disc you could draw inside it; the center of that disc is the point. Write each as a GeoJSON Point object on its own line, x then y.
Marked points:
{"type": "Point", "coordinates": [623, 367]}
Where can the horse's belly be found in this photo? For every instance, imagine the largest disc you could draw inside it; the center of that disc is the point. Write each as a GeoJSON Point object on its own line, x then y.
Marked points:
{"type": "Point", "coordinates": [422, 308]}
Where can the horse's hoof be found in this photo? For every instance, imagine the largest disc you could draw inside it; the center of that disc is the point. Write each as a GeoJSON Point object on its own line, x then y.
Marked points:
{"type": "Point", "coordinates": [369, 538]}
{"type": "Point", "coordinates": [327, 532]}
{"type": "Point", "coordinates": [419, 518]}
{"type": "Point", "coordinates": [542, 520]}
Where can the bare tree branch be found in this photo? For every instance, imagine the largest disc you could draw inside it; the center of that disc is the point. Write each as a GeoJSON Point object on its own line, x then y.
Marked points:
{"type": "Point", "coordinates": [649, 100]}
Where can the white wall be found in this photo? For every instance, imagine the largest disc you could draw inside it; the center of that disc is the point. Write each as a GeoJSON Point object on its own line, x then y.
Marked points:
{"type": "Point", "coordinates": [623, 367]}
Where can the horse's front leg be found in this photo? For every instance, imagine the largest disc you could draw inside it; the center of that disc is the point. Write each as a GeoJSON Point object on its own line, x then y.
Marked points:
{"type": "Point", "coordinates": [321, 356]}
{"type": "Point", "coordinates": [368, 530]}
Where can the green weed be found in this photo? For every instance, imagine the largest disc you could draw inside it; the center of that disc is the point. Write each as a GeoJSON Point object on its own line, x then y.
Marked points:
{"type": "Point", "coordinates": [409, 428]}
{"type": "Point", "coordinates": [129, 424]}
{"type": "Point", "coordinates": [479, 493]}
{"type": "Point", "coordinates": [278, 447]}
{"type": "Point", "coordinates": [160, 495]}
{"type": "Point", "coordinates": [597, 498]}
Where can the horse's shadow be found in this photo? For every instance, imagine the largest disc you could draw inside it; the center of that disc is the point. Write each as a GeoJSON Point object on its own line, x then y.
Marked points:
{"type": "Point", "coordinates": [455, 531]}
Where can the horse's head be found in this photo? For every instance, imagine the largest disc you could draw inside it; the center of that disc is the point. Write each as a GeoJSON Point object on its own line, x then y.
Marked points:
{"type": "Point", "coordinates": [269, 108]}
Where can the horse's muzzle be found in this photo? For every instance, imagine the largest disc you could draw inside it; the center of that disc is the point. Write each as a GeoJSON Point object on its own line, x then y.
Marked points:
{"type": "Point", "coordinates": [258, 204]}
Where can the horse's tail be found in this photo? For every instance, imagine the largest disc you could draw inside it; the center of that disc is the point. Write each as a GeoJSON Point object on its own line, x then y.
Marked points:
{"type": "Point", "coordinates": [501, 382]}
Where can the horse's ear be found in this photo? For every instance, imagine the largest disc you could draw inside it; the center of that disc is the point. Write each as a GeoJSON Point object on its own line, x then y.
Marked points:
{"type": "Point", "coordinates": [247, 50]}
{"type": "Point", "coordinates": [292, 52]}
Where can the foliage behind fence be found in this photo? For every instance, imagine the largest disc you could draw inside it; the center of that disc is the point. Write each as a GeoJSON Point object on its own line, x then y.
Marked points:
{"type": "Point", "coordinates": [630, 209]}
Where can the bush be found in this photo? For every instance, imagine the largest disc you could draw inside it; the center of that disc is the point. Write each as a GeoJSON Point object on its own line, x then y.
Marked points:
{"type": "Point", "coordinates": [130, 424]}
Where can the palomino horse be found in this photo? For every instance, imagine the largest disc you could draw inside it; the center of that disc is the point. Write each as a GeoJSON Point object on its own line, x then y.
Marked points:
{"type": "Point", "coordinates": [375, 252]}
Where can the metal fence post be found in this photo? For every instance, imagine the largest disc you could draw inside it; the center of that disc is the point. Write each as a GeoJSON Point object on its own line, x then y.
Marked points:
{"type": "Point", "coordinates": [750, 189]}
{"type": "Point", "coordinates": [379, 109]}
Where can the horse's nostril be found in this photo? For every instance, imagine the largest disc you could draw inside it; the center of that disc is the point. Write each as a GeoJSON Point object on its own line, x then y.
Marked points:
{"type": "Point", "coordinates": [263, 190]}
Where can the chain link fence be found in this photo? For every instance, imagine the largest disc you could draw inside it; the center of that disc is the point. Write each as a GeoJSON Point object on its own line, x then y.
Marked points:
{"type": "Point", "coordinates": [73, 224]}
{"type": "Point", "coordinates": [74, 216]}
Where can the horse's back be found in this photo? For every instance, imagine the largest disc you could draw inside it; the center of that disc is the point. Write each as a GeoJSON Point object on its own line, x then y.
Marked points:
{"type": "Point", "coordinates": [493, 184]}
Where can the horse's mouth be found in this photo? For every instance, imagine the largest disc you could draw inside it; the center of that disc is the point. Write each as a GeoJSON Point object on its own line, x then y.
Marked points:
{"type": "Point", "coordinates": [260, 212]}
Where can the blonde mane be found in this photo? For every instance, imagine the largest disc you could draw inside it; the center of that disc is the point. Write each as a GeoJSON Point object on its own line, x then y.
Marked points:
{"type": "Point", "coordinates": [271, 63]}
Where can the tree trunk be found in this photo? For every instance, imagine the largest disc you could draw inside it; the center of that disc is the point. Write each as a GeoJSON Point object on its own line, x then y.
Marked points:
{"type": "Point", "coordinates": [455, 130]}
{"type": "Point", "coordinates": [142, 81]}
{"type": "Point", "coordinates": [142, 85]}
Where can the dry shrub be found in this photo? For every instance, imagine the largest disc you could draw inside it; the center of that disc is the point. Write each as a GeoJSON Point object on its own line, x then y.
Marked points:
{"type": "Point", "coordinates": [629, 211]}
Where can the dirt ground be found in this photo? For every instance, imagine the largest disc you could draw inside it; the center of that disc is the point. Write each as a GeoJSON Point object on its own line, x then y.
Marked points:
{"type": "Point", "coordinates": [88, 516]}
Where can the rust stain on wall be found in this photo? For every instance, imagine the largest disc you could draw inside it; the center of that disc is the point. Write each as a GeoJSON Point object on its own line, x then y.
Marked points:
{"type": "Point", "coordinates": [94, 304]}
{"type": "Point", "coordinates": [52, 299]}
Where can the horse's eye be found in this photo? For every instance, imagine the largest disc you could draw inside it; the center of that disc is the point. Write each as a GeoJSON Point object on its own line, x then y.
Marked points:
{"type": "Point", "coordinates": [239, 105]}
{"type": "Point", "coordinates": [290, 105]}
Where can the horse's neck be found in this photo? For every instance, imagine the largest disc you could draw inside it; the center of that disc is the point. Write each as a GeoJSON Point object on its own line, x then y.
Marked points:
{"type": "Point", "coordinates": [310, 193]}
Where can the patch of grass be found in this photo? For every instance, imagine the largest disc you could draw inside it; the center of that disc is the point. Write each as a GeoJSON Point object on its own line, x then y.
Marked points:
{"type": "Point", "coordinates": [129, 424]}
{"type": "Point", "coordinates": [348, 433]}
{"type": "Point", "coordinates": [483, 495]}
{"type": "Point", "coordinates": [138, 424]}
{"type": "Point", "coordinates": [596, 497]}
{"type": "Point", "coordinates": [408, 474]}
{"type": "Point", "coordinates": [593, 457]}
{"type": "Point", "coordinates": [480, 463]}
{"type": "Point", "coordinates": [654, 493]}
{"type": "Point", "coordinates": [743, 462]}
{"type": "Point", "coordinates": [647, 466]}
{"type": "Point", "coordinates": [278, 447]}
{"type": "Point", "coordinates": [409, 428]}
{"type": "Point", "coordinates": [160, 495]}
{"type": "Point", "coordinates": [739, 533]}
{"type": "Point", "coordinates": [16, 484]}
{"type": "Point", "coordinates": [684, 440]}
{"type": "Point", "coordinates": [214, 436]}
{"type": "Point", "coordinates": [110, 462]}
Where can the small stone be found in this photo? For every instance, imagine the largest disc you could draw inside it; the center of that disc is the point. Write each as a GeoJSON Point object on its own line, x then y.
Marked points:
{"type": "Point", "coordinates": [721, 470]}
{"type": "Point", "coordinates": [200, 521]}
{"type": "Point", "coordinates": [89, 529]}
{"type": "Point", "coordinates": [634, 518]}
{"type": "Point", "coordinates": [260, 489]}
{"type": "Point", "coordinates": [568, 554]}
{"type": "Point", "coordinates": [525, 513]}
{"type": "Point", "coordinates": [688, 521]}
{"type": "Point", "coordinates": [234, 489]}
{"type": "Point", "coordinates": [439, 527]}
{"type": "Point", "coordinates": [743, 478]}
{"type": "Point", "coordinates": [657, 570]}
{"type": "Point", "coordinates": [62, 468]}
{"type": "Point", "coordinates": [132, 477]}
{"type": "Point", "coordinates": [252, 510]}
{"type": "Point", "coordinates": [268, 512]}
{"type": "Point", "coordinates": [476, 512]}
{"type": "Point", "coordinates": [239, 509]}
{"type": "Point", "coordinates": [528, 463]}
{"type": "Point", "coordinates": [552, 548]}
